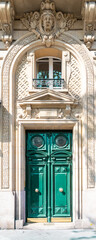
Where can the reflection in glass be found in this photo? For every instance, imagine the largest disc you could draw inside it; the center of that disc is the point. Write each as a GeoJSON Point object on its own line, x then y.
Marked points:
{"type": "Point", "coordinates": [37, 141]}
{"type": "Point", "coordinates": [60, 141]}
{"type": "Point", "coordinates": [56, 69]}
{"type": "Point", "coordinates": [49, 73]}
{"type": "Point", "coordinates": [43, 69]}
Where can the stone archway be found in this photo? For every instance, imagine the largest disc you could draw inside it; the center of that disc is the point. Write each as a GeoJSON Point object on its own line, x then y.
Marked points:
{"type": "Point", "coordinates": [8, 77]}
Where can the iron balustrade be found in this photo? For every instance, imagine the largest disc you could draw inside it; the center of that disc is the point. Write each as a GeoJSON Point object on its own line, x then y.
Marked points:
{"type": "Point", "coordinates": [48, 83]}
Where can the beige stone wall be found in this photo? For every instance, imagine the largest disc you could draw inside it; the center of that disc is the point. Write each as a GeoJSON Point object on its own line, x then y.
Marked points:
{"type": "Point", "coordinates": [75, 79]}
{"type": "Point", "coordinates": [81, 58]}
{"type": "Point", "coordinates": [22, 85]}
{"type": "Point", "coordinates": [15, 86]}
{"type": "Point", "coordinates": [6, 115]}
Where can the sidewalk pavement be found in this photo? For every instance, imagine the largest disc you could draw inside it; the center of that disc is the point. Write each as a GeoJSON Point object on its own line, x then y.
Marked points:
{"type": "Point", "coordinates": [36, 234]}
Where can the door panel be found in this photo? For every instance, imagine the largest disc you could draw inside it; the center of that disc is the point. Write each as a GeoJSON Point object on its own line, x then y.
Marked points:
{"type": "Point", "coordinates": [36, 191]}
{"type": "Point", "coordinates": [61, 190]}
{"type": "Point", "coordinates": [49, 160]}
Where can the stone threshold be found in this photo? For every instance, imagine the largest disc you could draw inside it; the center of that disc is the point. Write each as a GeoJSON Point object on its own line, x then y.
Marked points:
{"type": "Point", "coordinates": [43, 226]}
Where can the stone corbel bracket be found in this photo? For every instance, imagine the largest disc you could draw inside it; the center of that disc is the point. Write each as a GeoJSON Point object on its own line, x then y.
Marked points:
{"type": "Point", "coordinates": [6, 17]}
{"type": "Point", "coordinates": [89, 16]}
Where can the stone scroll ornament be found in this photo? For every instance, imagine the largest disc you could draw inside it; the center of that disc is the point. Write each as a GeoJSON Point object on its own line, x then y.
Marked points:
{"type": "Point", "coordinates": [47, 24]}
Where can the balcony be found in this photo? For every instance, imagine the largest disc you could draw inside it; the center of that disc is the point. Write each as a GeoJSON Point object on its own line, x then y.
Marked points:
{"type": "Point", "coordinates": [48, 83]}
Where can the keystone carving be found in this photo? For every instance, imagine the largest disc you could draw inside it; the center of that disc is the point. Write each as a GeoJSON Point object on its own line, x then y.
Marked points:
{"type": "Point", "coordinates": [48, 24]}
{"type": "Point", "coordinates": [6, 17]}
{"type": "Point", "coordinates": [89, 16]}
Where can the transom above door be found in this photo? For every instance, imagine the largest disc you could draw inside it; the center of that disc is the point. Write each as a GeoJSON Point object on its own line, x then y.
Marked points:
{"type": "Point", "coordinates": [48, 175]}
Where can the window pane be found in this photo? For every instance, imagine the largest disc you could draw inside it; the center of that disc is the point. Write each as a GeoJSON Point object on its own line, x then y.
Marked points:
{"type": "Point", "coordinates": [56, 69]}
{"type": "Point", "coordinates": [42, 70]}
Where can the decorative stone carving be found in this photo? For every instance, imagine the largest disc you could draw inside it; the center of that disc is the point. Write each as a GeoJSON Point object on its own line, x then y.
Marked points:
{"type": "Point", "coordinates": [67, 111]}
{"type": "Point", "coordinates": [34, 106]}
{"type": "Point", "coordinates": [76, 113]}
{"type": "Point", "coordinates": [7, 16]}
{"type": "Point", "coordinates": [36, 113]}
{"type": "Point", "coordinates": [89, 16]}
{"type": "Point", "coordinates": [88, 39]}
{"type": "Point", "coordinates": [23, 115]}
{"type": "Point", "coordinates": [48, 41]}
{"type": "Point", "coordinates": [60, 113]}
{"type": "Point", "coordinates": [26, 112]}
{"type": "Point", "coordinates": [48, 24]}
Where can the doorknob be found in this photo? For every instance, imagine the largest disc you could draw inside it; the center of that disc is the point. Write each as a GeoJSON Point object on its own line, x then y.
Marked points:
{"type": "Point", "coordinates": [36, 190]}
{"type": "Point", "coordinates": [60, 189]}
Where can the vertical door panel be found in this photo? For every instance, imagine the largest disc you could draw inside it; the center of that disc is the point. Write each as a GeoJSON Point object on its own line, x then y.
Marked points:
{"type": "Point", "coordinates": [36, 201]}
{"type": "Point", "coordinates": [61, 190]}
{"type": "Point", "coordinates": [36, 152]}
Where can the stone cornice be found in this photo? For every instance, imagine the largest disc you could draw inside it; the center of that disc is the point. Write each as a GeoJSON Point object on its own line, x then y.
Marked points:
{"type": "Point", "coordinates": [6, 18]}
{"type": "Point", "coordinates": [89, 16]}
{"type": "Point", "coordinates": [49, 99]}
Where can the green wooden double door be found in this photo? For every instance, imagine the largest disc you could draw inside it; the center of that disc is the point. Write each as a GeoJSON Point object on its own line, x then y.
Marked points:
{"type": "Point", "coordinates": [48, 175]}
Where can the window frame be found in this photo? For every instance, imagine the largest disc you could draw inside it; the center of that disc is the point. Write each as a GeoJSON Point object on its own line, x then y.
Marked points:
{"type": "Point", "coordinates": [50, 61]}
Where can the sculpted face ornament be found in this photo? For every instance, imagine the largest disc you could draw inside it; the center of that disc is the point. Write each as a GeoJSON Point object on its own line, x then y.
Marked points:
{"type": "Point", "coordinates": [47, 23]}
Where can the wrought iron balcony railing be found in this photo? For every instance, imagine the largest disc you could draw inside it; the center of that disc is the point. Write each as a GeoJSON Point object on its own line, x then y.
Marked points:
{"type": "Point", "coordinates": [48, 83]}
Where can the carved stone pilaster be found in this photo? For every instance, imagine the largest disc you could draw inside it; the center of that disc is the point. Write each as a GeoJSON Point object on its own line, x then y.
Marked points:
{"type": "Point", "coordinates": [89, 16]}
{"type": "Point", "coordinates": [6, 17]}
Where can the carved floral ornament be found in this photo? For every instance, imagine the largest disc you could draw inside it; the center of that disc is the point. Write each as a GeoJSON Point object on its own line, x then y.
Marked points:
{"type": "Point", "coordinates": [89, 17]}
{"type": "Point", "coordinates": [7, 14]}
{"type": "Point", "coordinates": [66, 113]}
{"type": "Point", "coordinates": [48, 24]}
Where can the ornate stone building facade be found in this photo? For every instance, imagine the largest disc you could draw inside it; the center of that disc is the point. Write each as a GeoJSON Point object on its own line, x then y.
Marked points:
{"type": "Point", "coordinates": [47, 113]}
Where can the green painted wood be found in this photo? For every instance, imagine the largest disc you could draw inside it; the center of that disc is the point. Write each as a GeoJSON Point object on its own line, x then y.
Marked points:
{"type": "Point", "coordinates": [61, 190]}
{"type": "Point", "coordinates": [36, 191]}
{"type": "Point", "coordinates": [49, 178]}
{"type": "Point", "coordinates": [49, 160]}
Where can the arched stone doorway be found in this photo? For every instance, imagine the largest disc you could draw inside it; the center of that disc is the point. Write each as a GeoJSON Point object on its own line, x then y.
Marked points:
{"type": "Point", "coordinates": [79, 123]}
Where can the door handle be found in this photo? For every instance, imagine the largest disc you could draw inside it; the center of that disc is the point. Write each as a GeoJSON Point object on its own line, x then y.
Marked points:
{"type": "Point", "coordinates": [61, 190]}
{"type": "Point", "coordinates": [36, 190]}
